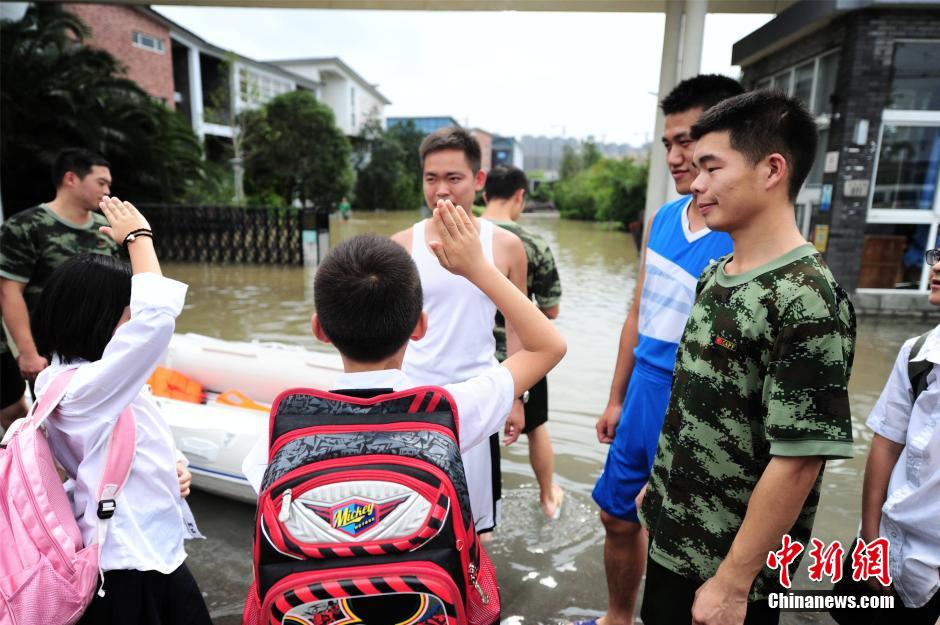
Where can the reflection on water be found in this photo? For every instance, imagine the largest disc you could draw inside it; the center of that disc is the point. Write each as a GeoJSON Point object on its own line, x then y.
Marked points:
{"type": "Point", "coordinates": [550, 572]}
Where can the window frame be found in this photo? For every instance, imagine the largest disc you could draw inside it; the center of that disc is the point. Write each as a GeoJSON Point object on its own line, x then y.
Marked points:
{"type": "Point", "coordinates": [138, 35]}
{"type": "Point", "coordinates": [891, 216]}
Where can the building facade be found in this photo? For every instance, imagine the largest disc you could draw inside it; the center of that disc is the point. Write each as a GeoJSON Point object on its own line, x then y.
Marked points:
{"type": "Point", "coordinates": [139, 40]}
{"type": "Point", "coordinates": [354, 101]}
{"type": "Point", "coordinates": [485, 140]}
{"type": "Point", "coordinates": [424, 125]}
{"type": "Point", "coordinates": [870, 73]}
{"type": "Point", "coordinates": [508, 151]}
{"type": "Point", "coordinates": [210, 85]}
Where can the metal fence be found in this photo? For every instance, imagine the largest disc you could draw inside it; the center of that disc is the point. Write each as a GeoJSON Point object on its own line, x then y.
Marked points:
{"type": "Point", "coordinates": [227, 234]}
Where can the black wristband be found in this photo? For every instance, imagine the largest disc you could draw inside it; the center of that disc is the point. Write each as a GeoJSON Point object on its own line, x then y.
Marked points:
{"type": "Point", "coordinates": [140, 232]}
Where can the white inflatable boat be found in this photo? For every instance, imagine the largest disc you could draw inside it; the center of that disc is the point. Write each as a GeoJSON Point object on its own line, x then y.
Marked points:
{"type": "Point", "coordinates": [216, 437]}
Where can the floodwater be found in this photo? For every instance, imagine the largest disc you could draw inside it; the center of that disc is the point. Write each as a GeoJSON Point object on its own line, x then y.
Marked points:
{"type": "Point", "coordinates": [549, 572]}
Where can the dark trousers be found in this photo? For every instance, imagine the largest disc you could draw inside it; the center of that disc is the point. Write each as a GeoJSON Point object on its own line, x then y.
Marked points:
{"type": "Point", "coordinates": [928, 614]}
{"type": "Point", "coordinates": [668, 598]}
{"type": "Point", "coordinates": [148, 598]}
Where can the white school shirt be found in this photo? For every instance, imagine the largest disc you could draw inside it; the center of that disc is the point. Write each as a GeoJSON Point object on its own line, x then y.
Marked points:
{"type": "Point", "coordinates": [147, 529]}
{"type": "Point", "coordinates": [482, 405]}
{"type": "Point", "coordinates": [910, 517]}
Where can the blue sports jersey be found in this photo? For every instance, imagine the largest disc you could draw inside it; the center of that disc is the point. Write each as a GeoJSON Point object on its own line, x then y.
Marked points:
{"type": "Point", "coordinates": [675, 258]}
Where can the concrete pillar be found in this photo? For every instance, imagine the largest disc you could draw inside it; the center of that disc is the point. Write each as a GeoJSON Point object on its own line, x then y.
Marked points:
{"type": "Point", "coordinates": [195, 91]}
{"type": "Point", "coordinates": [656, 184]}
{"type": "Point", "coordinates": [693, 34]}
{"type": "Point", "coordinates": [682, 58]}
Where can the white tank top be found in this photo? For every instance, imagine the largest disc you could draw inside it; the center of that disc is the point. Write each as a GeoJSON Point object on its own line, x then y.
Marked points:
{"type": "Point", "coordinates": [459, 343]}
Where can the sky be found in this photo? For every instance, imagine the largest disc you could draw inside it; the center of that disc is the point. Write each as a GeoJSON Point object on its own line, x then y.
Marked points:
{"type": "Point", "coordinates": [509, 72]}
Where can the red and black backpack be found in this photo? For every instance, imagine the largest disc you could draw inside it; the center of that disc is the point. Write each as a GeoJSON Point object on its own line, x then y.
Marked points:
{"type": "Point", "coordinates": [364, 515]}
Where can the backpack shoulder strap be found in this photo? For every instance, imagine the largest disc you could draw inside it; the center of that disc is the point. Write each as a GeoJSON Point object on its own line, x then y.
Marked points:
{"type": "Point", "coordinates": [45, 405]}
{"type": "Point", "coordinates": [122, 445]}
{"type": "Point", "coordinates": [917, 370]}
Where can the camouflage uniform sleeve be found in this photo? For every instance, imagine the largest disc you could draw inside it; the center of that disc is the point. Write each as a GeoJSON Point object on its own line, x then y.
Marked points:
{"type": "Point", "coordinates": [806, 390]}
{"type": "Point", "coordinates": [17, 251]}
{"type": "Point", "coordinates": [546, 285]}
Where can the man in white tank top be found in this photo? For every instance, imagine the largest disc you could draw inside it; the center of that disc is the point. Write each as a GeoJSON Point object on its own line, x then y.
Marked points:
{"type": "Point", "coordinates": [459, 342]}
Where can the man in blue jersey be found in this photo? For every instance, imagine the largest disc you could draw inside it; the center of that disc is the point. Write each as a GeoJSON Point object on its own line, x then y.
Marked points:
{"type": "Point", "coordinates": [677, 247]}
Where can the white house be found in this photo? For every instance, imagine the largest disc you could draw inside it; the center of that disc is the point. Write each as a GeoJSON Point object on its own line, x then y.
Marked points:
{"type": "Point", "coordinates": [354, 100]}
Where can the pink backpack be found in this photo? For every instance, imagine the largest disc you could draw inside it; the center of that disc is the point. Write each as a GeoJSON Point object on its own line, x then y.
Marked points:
{"type": "Point", "coordinates": [46, 574]}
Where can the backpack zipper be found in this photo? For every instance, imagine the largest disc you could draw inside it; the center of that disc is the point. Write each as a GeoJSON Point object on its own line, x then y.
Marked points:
{"type": "Point", "coordinates": [284, 514]}
{"type": "Point", "coordinates": [472, 575]}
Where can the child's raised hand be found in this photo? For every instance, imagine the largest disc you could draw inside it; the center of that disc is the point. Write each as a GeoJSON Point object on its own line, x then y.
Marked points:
{"type": "Point", "coordinates": [459, 249]}
{"type": "Point", "coordinates": [123, 218]}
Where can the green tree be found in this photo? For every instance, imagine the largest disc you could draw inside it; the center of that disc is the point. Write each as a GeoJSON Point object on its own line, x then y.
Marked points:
{"type": "Point", "coordinates": [611, 190]}
{"type": "Point", "coordinates": [570, 163]}
{"type": "Point", "coordinates": [410, 138]}
{"type": "Point", "coordinates": [387, 180]}
{"type": "Point", "coordinates": [293, 148]}
{"type": "Point", "coordinates": [56, 93]}
{"type": "Point", "coordinates": [589, 154]}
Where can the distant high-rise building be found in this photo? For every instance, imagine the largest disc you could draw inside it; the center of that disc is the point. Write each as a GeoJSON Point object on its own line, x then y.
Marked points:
{"type": "Point", "coordinates": [544, 153]}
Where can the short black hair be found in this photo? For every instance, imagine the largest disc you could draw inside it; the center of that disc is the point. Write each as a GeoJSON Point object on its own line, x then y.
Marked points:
{"type": "Point", "coordinates": [453, 138]}
{"type": "Point", "coordinates": [763, 122]}
{"type": "Point", "coordinates": [76, 160]}
{"type": "Point", "coordinates": [503, 181]}
{"type": "Point", "coordinates": [367, 293]}
{"type": "Point", "coordinates": [703, 91]}
{"type": "Point", "coordinates": [80, 306]}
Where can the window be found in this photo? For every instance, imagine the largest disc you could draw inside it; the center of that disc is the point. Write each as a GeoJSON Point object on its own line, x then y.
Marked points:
{"type": "Point", "coordinates": [352, 109]}
{"type": "Point", "coordinates": [803, 81]}
{"type": "Point", "coordinates": [826, 69]}
{"type": "Point", "coordinates": [908, 162]}
{"type": "Point", "coordinates": [915, 85]}
{"type": "Point", "coordinates": [256, 88]}
{"type": "Point", "coordinates": [147, 42]}
{"type": "Point", "coordinates": [904, 209]}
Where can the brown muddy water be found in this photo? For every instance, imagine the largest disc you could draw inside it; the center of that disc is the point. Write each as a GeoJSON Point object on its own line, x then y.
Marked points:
{"type": "Point", "coordinates": [550, 571]}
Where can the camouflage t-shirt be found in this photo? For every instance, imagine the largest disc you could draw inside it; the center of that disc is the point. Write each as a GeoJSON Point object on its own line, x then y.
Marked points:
{"type": "Point", "coordinates": [762, 371]}
{"type": "Point", "coordinates": [542, 279]}
{"type": "Point", "coordinates": [34, 242]}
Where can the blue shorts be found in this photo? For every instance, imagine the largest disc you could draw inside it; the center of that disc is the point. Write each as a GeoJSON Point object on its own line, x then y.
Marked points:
{"type": "Point", "coordinates": [631, 454]}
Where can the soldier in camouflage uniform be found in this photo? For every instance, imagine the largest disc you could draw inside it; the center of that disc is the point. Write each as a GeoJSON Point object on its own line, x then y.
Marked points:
{"type": "Point", "coordinates": [33, 243]}
{"type": "Point", "coordinates": [505, 199]}
{"type": "Point", "coordinates": [759, 399]}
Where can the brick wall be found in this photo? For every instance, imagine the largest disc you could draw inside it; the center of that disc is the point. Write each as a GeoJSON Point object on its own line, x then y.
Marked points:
{"type": "Point", "coordinates": [112, 27]}
{"type": "Point", "coordinates": [866, 39]}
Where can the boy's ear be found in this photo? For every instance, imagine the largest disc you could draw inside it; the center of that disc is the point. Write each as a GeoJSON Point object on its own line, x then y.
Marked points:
{"type": "Point", "coordinates": [318, 329]}
{"type": "Point", "coordinates": [421, 328]}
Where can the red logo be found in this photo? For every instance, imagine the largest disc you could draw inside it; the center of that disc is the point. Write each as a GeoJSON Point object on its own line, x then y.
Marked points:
{"type": "Point", "coordinates": [723, 342]}
{"type": "Point", "coordinates": [782, 559]}
{"type": "Point", "coordinates": [871, 560]}
{"type": "Point", "coordinates": [826, 560]}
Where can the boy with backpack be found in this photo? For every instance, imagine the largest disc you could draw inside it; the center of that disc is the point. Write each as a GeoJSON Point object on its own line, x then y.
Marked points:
{"type": "Point", "coordinates": [365, 484]}
{"type": "Point", "coordinates": [901, 490]}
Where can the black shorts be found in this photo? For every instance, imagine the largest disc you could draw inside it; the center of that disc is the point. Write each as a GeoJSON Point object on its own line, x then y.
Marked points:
{"type": "Point", "coordinates": [668, 598]}
{"type": "Point", "coordinates": [536, 409]}
{"type": "Point", "coordinates": [12, 385]}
